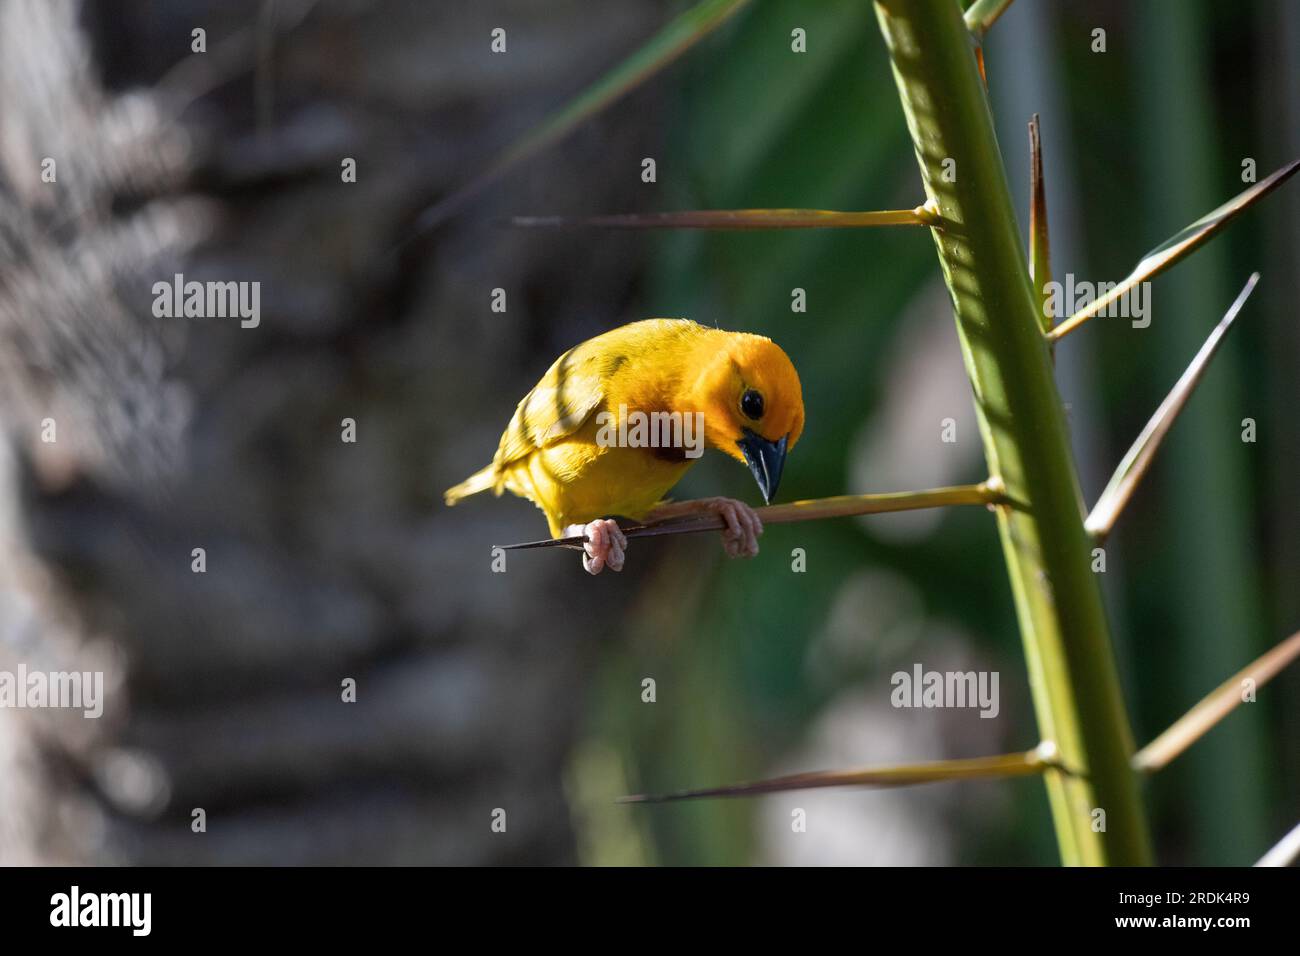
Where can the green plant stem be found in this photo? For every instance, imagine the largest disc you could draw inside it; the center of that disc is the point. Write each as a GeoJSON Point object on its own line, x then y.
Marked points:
{"type": "Point", "coordinates": [1058, 602]}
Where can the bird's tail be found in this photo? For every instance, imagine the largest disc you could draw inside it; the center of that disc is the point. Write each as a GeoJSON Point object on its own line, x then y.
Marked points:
{"type": "Point", "coordinates": [479, 481]}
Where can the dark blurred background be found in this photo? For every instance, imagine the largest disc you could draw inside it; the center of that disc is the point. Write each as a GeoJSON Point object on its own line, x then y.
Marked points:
{"type": "Point", "coordinates": [329, 560]}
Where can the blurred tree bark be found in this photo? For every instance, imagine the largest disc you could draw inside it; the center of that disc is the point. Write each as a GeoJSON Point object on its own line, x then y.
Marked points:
{"type": "Point", "coordinates": [325, 560]}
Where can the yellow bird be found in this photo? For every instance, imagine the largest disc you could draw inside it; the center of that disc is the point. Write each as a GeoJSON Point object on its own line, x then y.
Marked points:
{"type": "Point", "coordinates": [618, 420]}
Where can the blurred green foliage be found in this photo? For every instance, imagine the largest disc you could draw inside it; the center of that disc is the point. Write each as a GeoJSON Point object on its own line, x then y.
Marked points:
{"type": "Point", "coordinates": [1193, 571]}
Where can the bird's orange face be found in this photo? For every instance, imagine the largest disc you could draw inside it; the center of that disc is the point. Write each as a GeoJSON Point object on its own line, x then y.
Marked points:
{"type": "Point", "coordinates": [753, 407]}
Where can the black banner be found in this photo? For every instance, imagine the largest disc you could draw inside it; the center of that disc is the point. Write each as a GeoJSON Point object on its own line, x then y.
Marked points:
{"type": "Point", "coordinates": [341, 905]}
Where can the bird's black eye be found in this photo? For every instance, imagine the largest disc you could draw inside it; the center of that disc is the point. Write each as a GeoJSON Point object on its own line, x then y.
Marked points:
{"type": "Point", "coordinates": [751, 403]}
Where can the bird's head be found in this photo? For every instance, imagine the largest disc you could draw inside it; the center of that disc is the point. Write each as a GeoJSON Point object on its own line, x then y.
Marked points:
{"type": "Point", "coordinates": [753, 405]}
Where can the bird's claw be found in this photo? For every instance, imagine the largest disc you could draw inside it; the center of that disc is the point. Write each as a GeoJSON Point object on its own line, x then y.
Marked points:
{"type": "Point", "coordinates": [742, 526]}
{"type": "Point", "coordinates": [605, 546]}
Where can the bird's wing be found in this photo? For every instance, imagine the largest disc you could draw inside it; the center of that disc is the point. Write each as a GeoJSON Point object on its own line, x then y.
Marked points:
{"type": "Point", "coordinates": [568, 394]}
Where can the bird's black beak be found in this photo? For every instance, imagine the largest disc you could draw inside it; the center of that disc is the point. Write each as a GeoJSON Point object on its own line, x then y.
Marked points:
{"type": "Point", "coordinates": [765, 459]}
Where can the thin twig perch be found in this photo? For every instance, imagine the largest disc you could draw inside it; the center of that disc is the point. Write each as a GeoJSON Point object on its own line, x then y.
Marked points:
{"type": "Point", "coordinates": [843, 506]}
{"type": "Point", "coordinates": [1025, 764]}
{"type": "Point", "coordinates": [736, 219]}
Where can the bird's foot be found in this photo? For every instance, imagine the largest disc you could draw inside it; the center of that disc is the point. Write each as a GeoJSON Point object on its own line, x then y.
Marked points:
{"type": "Point", "coordinates": [604, 547]}
{"type": "Point", "coordinates": [740, 536]}
{"type": "Point", "coordinates": [741, 523]}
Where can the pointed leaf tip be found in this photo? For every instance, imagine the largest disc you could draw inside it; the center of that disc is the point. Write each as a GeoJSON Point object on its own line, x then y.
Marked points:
{"type": "Point", "coordinates": [675, 38]}
{"type": "Point", "coordinates": [1138, 459]}
{"type": "Point", "coordinates": [1179, 246]}
{"type": "Point", "coordinates": [1214, 707]}
{"type": "Point", "coordinates": [983, 14]}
